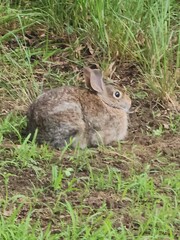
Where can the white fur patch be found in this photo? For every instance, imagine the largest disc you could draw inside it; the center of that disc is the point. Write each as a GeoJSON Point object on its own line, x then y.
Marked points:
{"type": "Point", "coordinates": [65, 106]}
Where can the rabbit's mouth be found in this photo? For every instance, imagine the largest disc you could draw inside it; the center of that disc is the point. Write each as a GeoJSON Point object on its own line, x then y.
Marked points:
{"type": "Point", "coordinates": [125, 108]}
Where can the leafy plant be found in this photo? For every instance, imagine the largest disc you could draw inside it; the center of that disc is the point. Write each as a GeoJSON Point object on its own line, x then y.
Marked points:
{"type": "Point", "coordinates": [57, 177]}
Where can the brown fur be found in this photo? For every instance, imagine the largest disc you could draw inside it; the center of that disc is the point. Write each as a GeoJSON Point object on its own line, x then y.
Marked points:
{"type": "Point", "coordinates": [88, 117]}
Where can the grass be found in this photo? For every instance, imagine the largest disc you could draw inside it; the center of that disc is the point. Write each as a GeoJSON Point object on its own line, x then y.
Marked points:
{"type": "Point", "coordinates": [95, 206]}
{"type": "Point", "coordinates": [126, 192]}
{"type": "Point", "coordinates": [143, 32]}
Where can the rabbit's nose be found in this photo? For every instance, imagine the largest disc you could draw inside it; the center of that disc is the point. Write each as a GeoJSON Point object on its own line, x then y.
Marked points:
{"type": "Point", "coordinates": [126, 106]}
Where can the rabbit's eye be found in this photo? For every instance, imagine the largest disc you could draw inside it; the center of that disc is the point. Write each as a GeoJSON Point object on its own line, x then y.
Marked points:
{"type": "Point", "coordinates": [117, 94]}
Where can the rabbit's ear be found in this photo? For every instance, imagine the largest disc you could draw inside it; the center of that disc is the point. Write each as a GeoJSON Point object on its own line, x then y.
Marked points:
{"type": "Point", "coordinates": [94, 79]}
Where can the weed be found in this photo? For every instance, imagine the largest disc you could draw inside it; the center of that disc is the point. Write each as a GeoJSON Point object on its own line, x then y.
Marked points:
{"type": "Point", "coordinates": [105, 179]}
{"type": "Point", "coordinates": [174, 123]}
{"type": "Point", "coordinates": [81, 158]}
{"type": "Point", "coordinates": [57, 177]}
{"type": "Point", "coordinates": [11, 229]}
{"type": "Point", "coordinates": [158, 132]}
{"type": "Point", "coordinates": [12, 124]}
{"type": "Point", "coordinates": [6, 181]}
{"type": "Point", "coordinates": [28, 151]}
{"type": "Point", "coordinates": [91, 227]}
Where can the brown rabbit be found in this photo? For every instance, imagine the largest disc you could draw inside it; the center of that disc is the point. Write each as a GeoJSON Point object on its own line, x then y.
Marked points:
{"type": "Point", "coordinates": [87, 116]}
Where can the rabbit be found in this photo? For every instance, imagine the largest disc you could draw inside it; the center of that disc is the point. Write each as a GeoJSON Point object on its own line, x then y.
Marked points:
{"type": "Point", "coordinates": [84, 117]}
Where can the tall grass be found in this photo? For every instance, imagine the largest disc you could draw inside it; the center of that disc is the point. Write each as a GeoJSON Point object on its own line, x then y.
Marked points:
{"type": "Point", "coordinates": [146, 32]}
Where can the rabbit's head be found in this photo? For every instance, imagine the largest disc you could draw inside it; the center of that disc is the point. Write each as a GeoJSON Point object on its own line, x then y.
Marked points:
{"type": "Point", "coordinates": [110, 94]}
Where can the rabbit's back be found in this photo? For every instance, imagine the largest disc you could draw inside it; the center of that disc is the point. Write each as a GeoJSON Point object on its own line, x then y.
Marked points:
{"type": "Point", "coordinates": [57, 115]}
